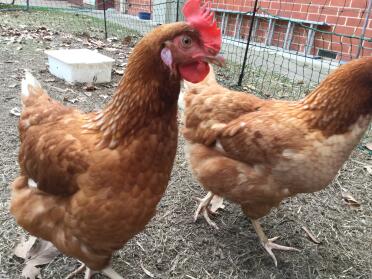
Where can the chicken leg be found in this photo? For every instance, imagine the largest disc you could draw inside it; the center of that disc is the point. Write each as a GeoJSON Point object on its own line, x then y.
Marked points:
{"type": "Point", "coordinates": [108, 271]}
{"type": "Point", "coordinates": [268, 243]}
{"type": "Point", "coordinates": [77, 271]}
{"type": "Point", "coordinates": [209, 204]}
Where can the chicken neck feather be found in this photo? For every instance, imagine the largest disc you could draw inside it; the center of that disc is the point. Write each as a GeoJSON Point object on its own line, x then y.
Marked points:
{"type": "Point", "coordinates": [147, 91]}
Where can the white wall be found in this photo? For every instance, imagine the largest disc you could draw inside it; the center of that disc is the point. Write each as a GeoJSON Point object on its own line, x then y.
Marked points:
{"type": "Point", "coordinates": [89, 2]}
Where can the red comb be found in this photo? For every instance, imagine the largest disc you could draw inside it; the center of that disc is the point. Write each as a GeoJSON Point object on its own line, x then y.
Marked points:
{"type": "Point", "coordinates": [202, 19]}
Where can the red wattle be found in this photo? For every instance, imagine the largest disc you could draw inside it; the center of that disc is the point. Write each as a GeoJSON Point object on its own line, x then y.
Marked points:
{"type": "Point", "coordinates": [194, 72]}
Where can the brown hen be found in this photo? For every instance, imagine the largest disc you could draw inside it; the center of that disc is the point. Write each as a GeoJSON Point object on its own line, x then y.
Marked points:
{"type": "Point", "coordinates": [90, 182]}
{"type": "Point", "coordinates": [258, 152]}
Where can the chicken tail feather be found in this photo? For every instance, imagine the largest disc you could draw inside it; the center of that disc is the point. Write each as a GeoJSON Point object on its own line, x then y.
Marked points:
{"type": "Point", "coordinates": [28, 81]}
{"type": "Point", "coordinates": [30, 87]}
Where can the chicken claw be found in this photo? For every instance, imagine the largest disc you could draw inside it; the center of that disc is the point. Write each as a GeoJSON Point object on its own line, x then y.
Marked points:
{"type": "Point", "coordinates": [108, 271]}
{"type": "Point", "coordinates": [80, 269]}
{"type": "Point", "coordinates": [111, 273]}
{"type": "Point", "coordinates": [89, 273]}
{"type": "Point", "coordinates": [269, 244]}
{"type": "Point", "coordinates": [209, 200]}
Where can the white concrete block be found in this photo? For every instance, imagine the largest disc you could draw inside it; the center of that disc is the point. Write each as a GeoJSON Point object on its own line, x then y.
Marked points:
{"type": "Point", "coordinates": [80, 65]}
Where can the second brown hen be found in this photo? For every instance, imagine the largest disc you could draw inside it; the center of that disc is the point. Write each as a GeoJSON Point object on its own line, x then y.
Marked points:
{"type": "Point", "coordinates": [258, 152]}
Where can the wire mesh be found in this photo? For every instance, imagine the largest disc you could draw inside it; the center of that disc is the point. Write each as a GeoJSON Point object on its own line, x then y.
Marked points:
{"type": "Point", "coordinates": [294, 43]}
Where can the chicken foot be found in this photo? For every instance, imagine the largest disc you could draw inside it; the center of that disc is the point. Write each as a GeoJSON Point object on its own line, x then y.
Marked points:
{"type": "Point", "coordinates": [77, 271]}
{"type": "Point", "coordinates": [212, 200]}
{"type": "Point", "coordinates": [268, 243]}
{"type": "Point", "coordinates": [111, 273]}
{"type": "Point", "coordinates": [108, 271]}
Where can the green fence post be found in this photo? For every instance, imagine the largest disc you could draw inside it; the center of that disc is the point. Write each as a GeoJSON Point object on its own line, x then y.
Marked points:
{"type": "Point", "coordinates": [248, 42]}
{"type": "Point", "coordinates": [104, 17]}
{"type": "Point", "coordinates": [177, 10]}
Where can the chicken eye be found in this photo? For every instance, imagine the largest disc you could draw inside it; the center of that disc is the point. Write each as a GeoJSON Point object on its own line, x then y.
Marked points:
{"type": "Point", "coordinates": [186, 41]}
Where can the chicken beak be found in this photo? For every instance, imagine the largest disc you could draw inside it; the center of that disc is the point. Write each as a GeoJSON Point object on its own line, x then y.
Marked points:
{"type": "Point", "coordinates": [216, 60]}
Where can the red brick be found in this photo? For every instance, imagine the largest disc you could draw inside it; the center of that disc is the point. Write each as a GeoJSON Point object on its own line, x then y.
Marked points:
{"type": "Point", "coordinates": [310, 8]}
{"type": "Point", "coordinates": [359, 31]}
{"type": "Point", "coordinates": [135, 8]}
{"type": "Point", "coordinates": [298, 15]}
{"type": "Point", "coordinates": [367, 49]}
{"type": "Point", "coordinates": [299, 31]}
{"type": "Point", "coordinates": [296, 47]}
{"type": "Point", "coordinates": [284, 13]}
{"type": "Point", "coordinates": [296, 7]}
{"type": "Point", "coordinates": [350, 12]}
{"type": "Point", "coordinates": [335, 20]}
{"type": "Point", "coordinates": [265, 4]}
{"type": "Point", "coordinates": [359, 4]}
{"type": "Point", "coordinates": [339, 3]}
{"type": "Point", "coordinates": [350, 41]}
{"type": "Point", "coordinates": [329, 10]}
{"type": "Point", "coordinates": [344, 57]}
{"type": "Point", "coordinates": [320, 2]}
{"type": "Point", "coordinates": [275, 5]}
{"type": "Point", "coordinates": [352, 21]}
{"type": "Point", "coordinates": [368, 33]}
{"type": "Point", "coordinates": [322, 44]}
{"type": "Point", "coordinates": [366, 52]}
{"type": "Point", "coordinates": [343, 48]}
{"type": "Point", "coordinates": [345, 30]}
{"type": "Point", "coordinates": [316, 17]}
{"type": "Point", "coordinates": [353, 50]}
{"type": "Point", "coordinates": [286, 6]}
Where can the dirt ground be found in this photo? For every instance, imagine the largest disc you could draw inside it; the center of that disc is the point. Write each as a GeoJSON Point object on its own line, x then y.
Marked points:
{"type": "Point", "coordinates": [173, 246]}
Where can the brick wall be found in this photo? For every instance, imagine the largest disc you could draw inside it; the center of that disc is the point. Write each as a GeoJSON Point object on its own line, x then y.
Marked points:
{"type": "Point", "coordinates": [134, 6]}
{"type": "Point", "coordinates": [345, 17]}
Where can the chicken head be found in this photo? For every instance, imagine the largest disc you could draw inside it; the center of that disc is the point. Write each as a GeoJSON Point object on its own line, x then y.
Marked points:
{"type": "Point", "coordinates": [189, 53]}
